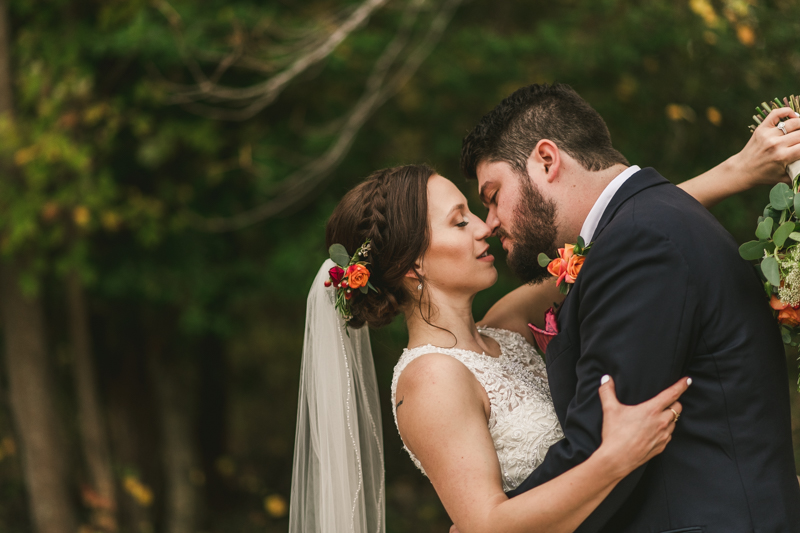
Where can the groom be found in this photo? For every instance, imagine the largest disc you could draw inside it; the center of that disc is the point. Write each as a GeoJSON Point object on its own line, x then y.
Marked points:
{"type": "Point", "coordinates": [663, 294]}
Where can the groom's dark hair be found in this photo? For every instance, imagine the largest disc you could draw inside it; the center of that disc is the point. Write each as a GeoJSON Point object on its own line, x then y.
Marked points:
{"type": "Point", "coordinates": [510, 131]}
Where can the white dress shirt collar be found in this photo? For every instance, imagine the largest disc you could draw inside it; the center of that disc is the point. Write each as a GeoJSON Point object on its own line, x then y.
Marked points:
{"type": "Point", "coordinates": [599, 207]}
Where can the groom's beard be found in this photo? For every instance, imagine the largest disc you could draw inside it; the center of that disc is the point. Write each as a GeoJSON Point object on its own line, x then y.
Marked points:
{"type": "Point", "coordinates": [534, 233]}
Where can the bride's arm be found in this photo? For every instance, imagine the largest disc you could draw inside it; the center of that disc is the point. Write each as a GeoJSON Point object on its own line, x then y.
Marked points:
{"type": "Point", "coordinates": [762, 161]}
{"type": "Point", "coordinates": [443, 421]}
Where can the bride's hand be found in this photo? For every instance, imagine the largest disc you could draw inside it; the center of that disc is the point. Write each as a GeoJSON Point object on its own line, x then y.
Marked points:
{"type": "Point", "coordinates": [766, 155]}
{"type": "Point", "coordinates": [632, 435]}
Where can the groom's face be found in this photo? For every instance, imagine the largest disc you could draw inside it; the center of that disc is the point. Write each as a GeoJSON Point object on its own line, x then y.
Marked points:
{"type": "Point", "coordinates": [521, 216]}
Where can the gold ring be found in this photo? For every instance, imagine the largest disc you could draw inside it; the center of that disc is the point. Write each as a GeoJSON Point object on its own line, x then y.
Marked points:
{"type": "Point", "coordinates": [677, 415]}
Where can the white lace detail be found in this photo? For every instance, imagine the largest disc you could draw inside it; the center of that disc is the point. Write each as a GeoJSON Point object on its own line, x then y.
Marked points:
{"type": "Point", "coordinates": [522, 421]}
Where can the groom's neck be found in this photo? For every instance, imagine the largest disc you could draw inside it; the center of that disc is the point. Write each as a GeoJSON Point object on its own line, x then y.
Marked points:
{"type": "Point", "coordinates": [580, 191]}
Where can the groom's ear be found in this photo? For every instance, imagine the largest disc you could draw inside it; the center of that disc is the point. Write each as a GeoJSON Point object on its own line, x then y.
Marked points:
{"type": "Point", "coordinates": [544, 162]}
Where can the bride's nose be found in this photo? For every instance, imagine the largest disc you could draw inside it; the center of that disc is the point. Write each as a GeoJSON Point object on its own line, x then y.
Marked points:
{"type": "Point", "coordinates": [482, 230]}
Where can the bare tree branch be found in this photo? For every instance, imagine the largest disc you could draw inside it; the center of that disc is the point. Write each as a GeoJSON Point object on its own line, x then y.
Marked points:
{"type": "Point", "coordinates": [304, 183]}
{"type": "Point", "coordinates": [266, 92]}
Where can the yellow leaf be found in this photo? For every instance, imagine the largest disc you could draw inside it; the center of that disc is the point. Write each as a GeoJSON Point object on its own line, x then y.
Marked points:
{"type": "Point", "coordinates": [23, 156]}
{"type": "Point", "coordinates": [275, 505]}
{"type": "Point", "coordinates": [140, 492]}
{"type": "Point", "coordinates": [110, 221]}
{"type": "Point", "coordinates": [745, 34]}
{"type": "Point", "coordinates": [678, 112]}
{"type": "Point", "coordinates": [705, 10]}
{"type": "Point", "coordinates": [81, 216]}
{"type": "Point", "coordinates": [714, 116]}
{"type": "Point", "coordinates": [50, 210]}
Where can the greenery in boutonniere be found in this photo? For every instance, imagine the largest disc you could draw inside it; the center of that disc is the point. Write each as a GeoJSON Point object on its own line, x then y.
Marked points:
{"type": "Point", "coordinates": [567, 265]}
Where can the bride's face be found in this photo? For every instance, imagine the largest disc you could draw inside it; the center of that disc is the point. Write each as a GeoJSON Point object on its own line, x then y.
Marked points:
{"type": "Point", "coordinates": [458, 258]}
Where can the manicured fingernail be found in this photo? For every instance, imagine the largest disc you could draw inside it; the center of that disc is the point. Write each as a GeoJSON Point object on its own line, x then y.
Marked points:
{"type": "Point", "coordinates": [604, 379]}
{"type": "Point", "coordinates": [688, 381]}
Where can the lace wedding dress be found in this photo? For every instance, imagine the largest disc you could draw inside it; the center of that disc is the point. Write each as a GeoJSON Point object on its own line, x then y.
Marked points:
{"type": "Point", "coordinates": [522, 421]}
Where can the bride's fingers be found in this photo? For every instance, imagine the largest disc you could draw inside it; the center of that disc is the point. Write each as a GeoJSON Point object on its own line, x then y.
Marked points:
{"type": "Point", "coordinates": [776, 115]}
{"type": "Point", "coordinates": [671, 394]}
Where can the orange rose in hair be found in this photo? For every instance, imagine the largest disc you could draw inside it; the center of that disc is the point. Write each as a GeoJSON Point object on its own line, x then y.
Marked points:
{"type": "Point", "coordinates": [357, 276]}
{"type": "Point", "coordinates": [573, 267]}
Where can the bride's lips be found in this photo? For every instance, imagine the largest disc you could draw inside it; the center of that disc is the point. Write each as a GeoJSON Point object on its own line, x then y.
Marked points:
{"type": "Point", "coordinates": [486, 256]}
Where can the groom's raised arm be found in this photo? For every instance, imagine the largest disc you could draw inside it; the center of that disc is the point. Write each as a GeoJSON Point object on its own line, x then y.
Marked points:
{"type": "Point", "coordinates": [635, 311]}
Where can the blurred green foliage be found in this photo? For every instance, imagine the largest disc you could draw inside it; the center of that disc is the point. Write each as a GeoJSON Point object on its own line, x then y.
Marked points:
{"type": "Point", "coordinates": [113, 177]}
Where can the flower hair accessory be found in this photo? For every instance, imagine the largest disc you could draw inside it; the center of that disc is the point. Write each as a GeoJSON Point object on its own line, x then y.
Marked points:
{"type": "Point", "coordinates": [350, 274]}
{"type": "Point", "coordinates": [567, 265]}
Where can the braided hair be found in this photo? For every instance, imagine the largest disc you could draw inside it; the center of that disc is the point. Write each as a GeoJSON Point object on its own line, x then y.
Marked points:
{"type": "Point", "coordinates": [390, 208]}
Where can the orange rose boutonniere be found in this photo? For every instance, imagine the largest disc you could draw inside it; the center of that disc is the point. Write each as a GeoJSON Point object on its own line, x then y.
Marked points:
{"type": "Point", "coordinates": [566, 267]}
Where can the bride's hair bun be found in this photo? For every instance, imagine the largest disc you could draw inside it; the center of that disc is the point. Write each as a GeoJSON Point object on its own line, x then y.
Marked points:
{"type": "Point", "coordinates": [390, 208]}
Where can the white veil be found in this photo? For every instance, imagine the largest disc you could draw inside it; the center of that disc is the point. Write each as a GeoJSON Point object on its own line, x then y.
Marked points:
{"type": "Point", "coordinates": [337, 476]}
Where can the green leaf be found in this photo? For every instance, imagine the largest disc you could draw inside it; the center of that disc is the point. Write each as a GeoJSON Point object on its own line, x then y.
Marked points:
{"type": "Point", "coordinates": [371, 286]}
{"type": "Point", "coordinates": [339, 255]}
{"type": "Point", "coordinates": [797, 203]}
{"type": "Point", "coordinates": [771, 270]}
{"type": "Point", "coordinates": [764, 230]}
{"type": "Point", "coordinates": [543, 260]}
{"type": "Point", "coordinates": [564, 287]}
{"type": "Point", "coordinates": [581, 243]}
{"type": "Point", "coordinates": [782, 233]}
{"type": "Point", "coordinates": [364, 290]}
{"type": "Point", "coordinates": [786, 336]}
{"type": "Point", "coordinates": [795, 236]}
{"type": "Point", "coordinates": [781, 197]}
{"type": "Point", "coordinates": [753, 250]}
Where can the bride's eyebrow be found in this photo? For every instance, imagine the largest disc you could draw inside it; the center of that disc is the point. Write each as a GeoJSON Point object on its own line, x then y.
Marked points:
{"type": "Point", "coordinates": [459, 207]}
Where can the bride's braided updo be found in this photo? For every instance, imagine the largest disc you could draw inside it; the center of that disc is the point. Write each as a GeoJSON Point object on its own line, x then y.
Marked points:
{"type": "Point", "coordinates": [390, 208]}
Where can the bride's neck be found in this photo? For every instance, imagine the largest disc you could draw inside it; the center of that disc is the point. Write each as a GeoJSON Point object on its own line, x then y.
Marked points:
{"type": "Point", "coordinates": [451, 316]}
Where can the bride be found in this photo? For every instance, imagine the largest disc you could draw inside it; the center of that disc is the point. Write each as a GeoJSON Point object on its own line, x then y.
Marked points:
{"type": "Point", "coordinates": [471, 400]}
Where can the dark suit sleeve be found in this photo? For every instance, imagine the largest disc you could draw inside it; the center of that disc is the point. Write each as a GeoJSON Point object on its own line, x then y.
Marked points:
{"type": "Point", "coordinates": [636, 311]}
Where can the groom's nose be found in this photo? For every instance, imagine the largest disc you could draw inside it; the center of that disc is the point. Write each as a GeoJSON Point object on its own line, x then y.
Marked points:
{"type": "Point", "coordinates": [492, 221]}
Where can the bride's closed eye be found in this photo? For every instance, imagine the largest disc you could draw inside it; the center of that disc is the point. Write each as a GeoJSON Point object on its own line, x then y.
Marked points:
{"type": "Point", "coordinates": [462, 224]}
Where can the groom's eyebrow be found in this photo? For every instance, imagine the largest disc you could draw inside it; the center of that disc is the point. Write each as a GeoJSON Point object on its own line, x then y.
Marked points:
{"type": "Point", "coordinates": [482, 192]}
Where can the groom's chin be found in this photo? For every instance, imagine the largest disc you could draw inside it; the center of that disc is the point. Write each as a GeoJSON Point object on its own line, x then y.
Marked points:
{"type": "Point", "coordinates": [526, 267]}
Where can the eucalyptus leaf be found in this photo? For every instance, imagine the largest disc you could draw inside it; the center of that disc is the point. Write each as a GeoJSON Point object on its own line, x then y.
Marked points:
{"type": "Point", "coordinates": [764, 230]}
{"type": "Point", "coordinates": [753, 250]}
{"type": "Point", "coordinates": [797, 203]}
{"type": "Point", "coordinates": [364, 290]}
{"type": "Point", "coordinates": [769, 212]}
{"type": "Point", "coordinates": [339, 255]}
{"type": "Point", "coordinates": [782, 233]}
{"type": "Point", "coordinates": [795, 236]}
{"type": "Point", "coordinates": [781, 197]}
{"type": "Point", "coordinates": [543, 260]}
{"type": "Point", "coordinates": [785, 336]}
{"type": "Point", "coordinates": [771, 270]}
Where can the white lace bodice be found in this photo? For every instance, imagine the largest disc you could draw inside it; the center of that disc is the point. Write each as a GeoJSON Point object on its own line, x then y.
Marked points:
{"type": "Point", "coordinates": [522, 421]}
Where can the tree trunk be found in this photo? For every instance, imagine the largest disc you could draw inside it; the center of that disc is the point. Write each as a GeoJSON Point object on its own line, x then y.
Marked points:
{"type": "Point", "coordinates": [101, 496]}
{"type": "Point", "coordinates": [30, 390]}
{"type": "Point", "coordinates": [44, 460]}
{"type": "Point", "coordinates": [174, 387]}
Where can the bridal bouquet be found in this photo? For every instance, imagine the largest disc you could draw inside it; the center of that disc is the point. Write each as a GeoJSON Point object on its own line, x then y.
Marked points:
{"type": "Point", "coordinates": [777, 247]}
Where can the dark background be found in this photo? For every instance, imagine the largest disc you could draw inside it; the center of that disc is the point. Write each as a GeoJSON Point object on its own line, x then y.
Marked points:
{"type": "Point", "coordinates": [120, 152]}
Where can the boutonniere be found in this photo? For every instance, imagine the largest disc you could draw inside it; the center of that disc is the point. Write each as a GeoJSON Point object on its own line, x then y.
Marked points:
{"type": "Point", "coordinates": [567, 265]}
{"type": "Point", "coordinates": [544, 336]}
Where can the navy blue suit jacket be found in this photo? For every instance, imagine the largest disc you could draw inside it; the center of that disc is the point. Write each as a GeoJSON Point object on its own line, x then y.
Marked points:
{"type": "Point", "coordinates": [663, 294]}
